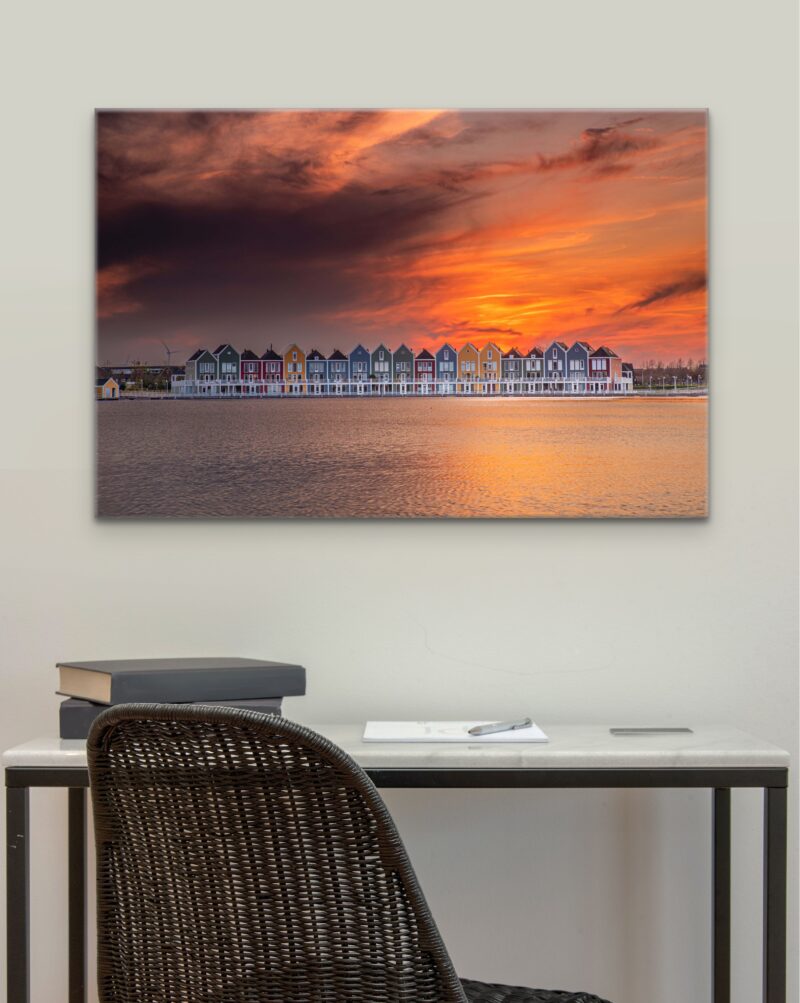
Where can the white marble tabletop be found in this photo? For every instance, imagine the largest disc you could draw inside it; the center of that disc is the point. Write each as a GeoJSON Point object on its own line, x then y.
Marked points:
{"type": "Point", "coordinates": [571, 746]}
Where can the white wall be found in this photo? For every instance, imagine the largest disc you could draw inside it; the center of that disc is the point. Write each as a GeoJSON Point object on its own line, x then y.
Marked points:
{"type": "Point", "coordinates": [609, 622]}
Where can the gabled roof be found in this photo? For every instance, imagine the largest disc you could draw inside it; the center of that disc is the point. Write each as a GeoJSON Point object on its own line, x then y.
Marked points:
{"type": "Point", "coordinates": [223, 347]}
{"type": "Point", "coordinates": [294, 346]}
{"type": "Point", "coordinates": [359, 348]}
{"type": "Point", "coordinates": [627, 367]}
{"type": "Point", "coordinates": [197, 354]}
{"type": "Point", "coordinates": [490, 344]}
{"type": "Point", "coordinates": [582, 344]}
{"type": "Point", "coordinates": [315, 356]}
{"type": "Point", "coordinates": [248, 356]}
{"type": "Point", "coordinates": [560, 345]}
{"type": "Point", "coordinates": [102, 380]}
{"type": "Point", "coordinates": [512, 353]}
{"type": "Point", "coordinates": [535, 353]}
{"type": "Point", "coordinates": [403, 348]}
{"type": "Point", "coordinates": [337, 356]}
{"type": "Point", "coordinates": [271, 355]}
{"type": "Point", "coordinates": [445, 345]}
{"type": "Point", "coordinates": [469, 344]}
{"type": "Point", "coordinates": [381, 346]}
{"type": "Point", "coordinates": [424, 354]}
{"type": "Point", "coordinates": [605, 352]}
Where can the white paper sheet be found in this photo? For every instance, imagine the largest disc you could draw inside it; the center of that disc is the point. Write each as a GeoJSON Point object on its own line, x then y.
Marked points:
{"type": "Point", "coordinates": [446, 731]}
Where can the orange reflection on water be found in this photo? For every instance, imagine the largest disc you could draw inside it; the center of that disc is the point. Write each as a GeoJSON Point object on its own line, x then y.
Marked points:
{"type": "Point", "coordinates": [405, 458]}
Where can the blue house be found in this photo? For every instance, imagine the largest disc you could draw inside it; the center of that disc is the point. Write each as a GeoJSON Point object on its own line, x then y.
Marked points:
{"type": "Point", "coordinates": [446, 368]}
{"type": "Point", "coordinates": [578, 366]}
{"type": "Point", "coordinates": [316, 371]}
{"type": "Point", "coordinates": [555, 364]}
{"type": "Point", "coordinates": [359, 365]}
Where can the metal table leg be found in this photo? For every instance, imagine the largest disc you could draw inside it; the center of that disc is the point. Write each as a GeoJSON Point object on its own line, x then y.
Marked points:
{"type": "Point", "coordinates": [775, 894]}
{"type": "Point", "coordinates": [721, 985]}
{"type": "Point", "coordinates": [77, 895]}
{"type": "Point", "coordinates": [18, 894]}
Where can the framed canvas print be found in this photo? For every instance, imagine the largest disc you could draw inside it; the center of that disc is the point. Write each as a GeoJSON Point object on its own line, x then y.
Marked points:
{"type": "Point", "coordinates": [402, 313]}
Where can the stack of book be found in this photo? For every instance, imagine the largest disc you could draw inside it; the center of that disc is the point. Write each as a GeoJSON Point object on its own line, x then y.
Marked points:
{"type": "Point", "coordinates": [232, 682]}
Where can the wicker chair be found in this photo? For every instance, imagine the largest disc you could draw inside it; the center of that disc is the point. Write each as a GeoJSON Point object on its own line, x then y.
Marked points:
{"type": "Point", "coordinates": [244, 859]}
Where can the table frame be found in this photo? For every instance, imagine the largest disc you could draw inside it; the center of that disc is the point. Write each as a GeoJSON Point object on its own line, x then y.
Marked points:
{"type": "Point", "coordinates": [719, 780]}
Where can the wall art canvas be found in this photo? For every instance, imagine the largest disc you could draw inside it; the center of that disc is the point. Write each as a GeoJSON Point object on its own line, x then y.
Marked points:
{"type": "Point", "coordinates": [402, 313]}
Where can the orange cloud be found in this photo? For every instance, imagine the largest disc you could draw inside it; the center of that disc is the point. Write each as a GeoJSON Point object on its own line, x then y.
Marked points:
{"type": "Point", "coordinates": [113, 288]}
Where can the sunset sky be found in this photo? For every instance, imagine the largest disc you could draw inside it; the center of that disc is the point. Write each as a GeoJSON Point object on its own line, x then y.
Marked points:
{"type": "Point", "coordinates": [330, 228]}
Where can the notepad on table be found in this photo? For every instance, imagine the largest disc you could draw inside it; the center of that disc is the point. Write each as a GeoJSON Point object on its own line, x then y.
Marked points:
{"type": "Point", "coordinates": [446, 731]}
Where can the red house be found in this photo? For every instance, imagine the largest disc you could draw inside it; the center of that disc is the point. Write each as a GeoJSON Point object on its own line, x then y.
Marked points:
{"type": "Point", "coordinates": [250, 367]}
{"type": "Point", "coordinates": [605, 369]}
{"type": "Point", "coordinates": [424, 367]}
{"type": "Point", "coordinates": [272, 366]}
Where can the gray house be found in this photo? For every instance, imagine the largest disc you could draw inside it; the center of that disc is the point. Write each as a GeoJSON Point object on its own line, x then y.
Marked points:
{"type": "Point", "coordinates": [555, 364]}
{"type": "Point", "coordinates": [403, 365]}
{"type": "Point", "coordinates": [512, 370]}
{"type": "Point", "coordinates": [381, 361]}
{"type": "Point", "coordinates": [316, 370]}
{"type": "Point", "coordinates": [578, 366]}
{"type": "Point", "coordinates": [533, 366]}
{"type": "Point", "coordinates": [228, 362]}
{"type": "Point", "coordinates": [201, 367]}
{"type": "Point", "coordinates": [446, 368]}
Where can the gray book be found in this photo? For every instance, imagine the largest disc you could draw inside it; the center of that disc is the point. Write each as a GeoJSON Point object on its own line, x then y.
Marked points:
{"type": "Point", "coordinates": [75, 717]}
{"type": "Point", "coordinates": [179, 680]}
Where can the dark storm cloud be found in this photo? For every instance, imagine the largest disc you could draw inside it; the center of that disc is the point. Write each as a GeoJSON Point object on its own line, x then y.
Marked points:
{"type": "Point", "coordinates": [465, 327]}
{"type": "Point", "coordinates": [232, 266]}
{"type": "Point", "coordinates": [345, 224]}
{"type": "Point", "coordinates": [680, 287]}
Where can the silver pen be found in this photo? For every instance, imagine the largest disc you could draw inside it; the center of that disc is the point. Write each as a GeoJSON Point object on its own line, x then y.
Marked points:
{"type": "Point", "coordinates": [492, 729]}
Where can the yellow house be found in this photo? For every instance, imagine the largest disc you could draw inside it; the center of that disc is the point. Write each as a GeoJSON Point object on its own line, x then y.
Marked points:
{"type": "Point", "coordinates": [469, 361]}
{"type": "Point", "coordinates": [106, 388]}
{"type": "Point", "coordinates": [491, 365]}
{"type": "Point", "coordinates": [294, 370]}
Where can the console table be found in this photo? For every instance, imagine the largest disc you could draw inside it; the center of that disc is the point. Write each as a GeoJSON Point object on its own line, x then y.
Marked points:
{"type": "Point", "coordinates": [577, 756]}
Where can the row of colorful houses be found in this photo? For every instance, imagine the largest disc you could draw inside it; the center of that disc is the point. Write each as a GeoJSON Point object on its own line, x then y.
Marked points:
{"type": "Point", "coordinates": [469, 369]}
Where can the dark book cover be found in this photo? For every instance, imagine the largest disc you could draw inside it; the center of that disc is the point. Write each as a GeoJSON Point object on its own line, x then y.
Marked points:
{"type": "Point", "coordinates": [75, 717]}
{"type": "Point", "coordinates": [179, 680]}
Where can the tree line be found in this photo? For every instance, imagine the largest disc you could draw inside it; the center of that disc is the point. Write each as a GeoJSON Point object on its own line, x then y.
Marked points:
{"type": "Point", "coordinates": [686, 372]}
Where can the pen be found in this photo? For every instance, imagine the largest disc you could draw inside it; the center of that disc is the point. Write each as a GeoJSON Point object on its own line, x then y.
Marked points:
{"type": "Point", "coordinates": [493, 729]}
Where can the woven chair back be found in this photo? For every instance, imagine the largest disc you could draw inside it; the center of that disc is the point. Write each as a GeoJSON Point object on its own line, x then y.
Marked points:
{"type": "Point", "coordinates": [242, 858]}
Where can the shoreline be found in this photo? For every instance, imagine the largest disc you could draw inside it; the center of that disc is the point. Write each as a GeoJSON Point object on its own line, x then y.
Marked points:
{"type": "Point", "coordinates": [632, 395]}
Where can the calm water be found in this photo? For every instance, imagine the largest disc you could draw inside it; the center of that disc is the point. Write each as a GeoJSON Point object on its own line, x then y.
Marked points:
{"type": "Point", "coordinates": [634, 457]}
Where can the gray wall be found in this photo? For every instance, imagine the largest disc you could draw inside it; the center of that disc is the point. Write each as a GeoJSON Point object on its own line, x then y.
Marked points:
{"type": "Point", "coordinates": [676, 622]}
